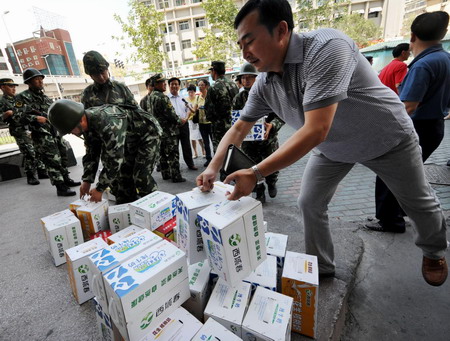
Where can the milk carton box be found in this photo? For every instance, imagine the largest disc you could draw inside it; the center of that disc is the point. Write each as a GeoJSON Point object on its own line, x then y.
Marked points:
{"type": "Point", "coordinates": [52, 218]}
{"type": "Point", "coordinates": [123, 234]}
{"type": "Point", "coordinates": [166, 231]}
{"type": "Point", "coordinates": [265, 275]}
{"type": "Point", "coordinates": [94, 217]}
{"type": "Point", "coordinates": [73, 206]}
{"type": "Point", "coordinates": [199, 287]}
{"type": "Point", "coordinates": [112, 256]}
{"type": "Point", "coordinates": [119, 217]}
{"type": "Point", "coordinates": [80, 275]}
{"type": "Point", "coordinates": [300, 281]}
{"type": "Point", "coordinates": [178, 326]}
{"type": "Point", "coordinates": [153, 210]}
{"type": "Point", "coordinates": [258, 130]}
{"type": "Point", "coordinates": [268, 317]}
{"type": "Point", "coordinates": [276, 245]}
{"type": "Point", "coordinates": [228, 305]}
{"type": "Point", "coordinates": [213, 330]}
{"type": "Point", "coordinates": [189, 237]}
{"type": "Point", "coordinates": [138, 286]}
{"type": "Point", "coordinates": [232, 233]}
{"type": "Point", "coordinates": [106, 328]}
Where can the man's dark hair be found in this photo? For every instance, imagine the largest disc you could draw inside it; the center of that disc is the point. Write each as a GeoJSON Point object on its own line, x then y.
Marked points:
{"type": "Point", "coordinates": [369, 58]}
{"type": "Point", "coordinates": [175, 79]}
{"type": "Point", "coordinates": [191, 87]}
{"type": "Point", "coordinates": [397, 51]}
{"type": "Point", "coordinates": [430, 26]}
{"type": "Point", "coordinates": [204, 81]}
{"type": "Point", "coordinates": [147, 82]}
{"type": "Point", "coordinates": [271, 13]}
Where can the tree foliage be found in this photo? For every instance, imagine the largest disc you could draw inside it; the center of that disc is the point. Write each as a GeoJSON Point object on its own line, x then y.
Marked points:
{"type": "Point", "coordinates": [142, 28]}
{"type": "Point", "coordinates": [361, 30]}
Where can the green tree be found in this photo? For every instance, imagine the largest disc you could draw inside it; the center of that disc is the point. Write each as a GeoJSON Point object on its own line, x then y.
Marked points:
{"type": "Point", "coordinates": [142, 28]}
{"type": "Point", "coordinates": [361, 30]}
{"type": "Point", "coordinates": [220, 39]}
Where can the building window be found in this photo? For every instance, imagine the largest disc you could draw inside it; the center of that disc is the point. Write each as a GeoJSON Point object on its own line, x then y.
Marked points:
{"type": "Point", "coordinates": [52, 46]}
{"type": "Point", "coordinates": [3, 66]}
{"type": "Point", "coordinates": [373, 15]}
{"type": "Point", "coordinates": [188, 60]}
{"type": "Point", "coordinates": [163, 4]}
{"type": "Point", "coordinates": [28, 59]}
{"type": "Point", "coordinates": [200, 22]}
{"type": "Point", "coordinates": [25, 50]}
{"type": "Point", "coordinates": [168, 46]}
{"type": "Point", "coordinates": [22, 60]}
{"type": "Point", "coordinates": [196, 1]}
{"type": "Point", "coordinates": [30, 64]}
{"type": "Point", "coordinates": [180, 2]}
{"type": "Point", "coordinates": [19, 53]}
{"type": "Point", "coordinates": [175, 64]}
{"type": "Point", "coordinates": [37, 62]}
{"type": "Point", "coordinates": [183, 25]}
{"type": "Point", "coordinates": [35, 57]}
{"type": "Point", "coordinates": [58, 47]}
{"type": "Point", "coordinates": [170, 28]}
{"type": "Point", "coordinates": [32, 49]}
{"type": "Point", "coordinates": [186, 44]}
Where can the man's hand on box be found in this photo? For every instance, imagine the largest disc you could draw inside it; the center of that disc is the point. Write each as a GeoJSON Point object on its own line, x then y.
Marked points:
{"type": "Point", "coordinates": [244, 183]}
{"type": "Point", "coordinates": [96, 196]}
{"type": "Point", "coordinates": [84, 189]}
{"type": "Point", "coordinates": [205, 181]}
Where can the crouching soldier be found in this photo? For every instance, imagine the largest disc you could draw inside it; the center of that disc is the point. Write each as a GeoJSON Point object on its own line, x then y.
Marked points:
{"type": "Point", "coordinates": [125, 138]}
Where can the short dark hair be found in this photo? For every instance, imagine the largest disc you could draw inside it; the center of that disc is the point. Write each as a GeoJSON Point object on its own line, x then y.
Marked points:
{"type": "Point", "coordinates": [271, 13]}
{"type": "Point", "coordinates": [175, 79]}
{"type": "Point", "coordinates": [204, 81]}
{"type": "Point", "coordinates": [191, 87]}
{"type": "Point", "coordinates": [369, 58]}
{"type": "Point", "coordinates": [219, 68]}
{"type": "Point", "coordinates": [148, 82]}
{"type": "Point", "coordinates": [430, 26]}
{"type": "Point", "coordinates": [397, 51]}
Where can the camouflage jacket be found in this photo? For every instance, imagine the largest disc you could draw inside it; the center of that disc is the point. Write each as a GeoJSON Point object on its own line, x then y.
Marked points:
{"type": "Point", "coordinates": [238, 104]}
{"type": "Point", "coordinates": [144, 102]}
{"type": "Point", "coordinates": [159, 106]}
{"type": "Point", "coordinates": [219, 100]}
{"type": "Point", "coordinates": [8, 103]}
{"type": "Point", "coordinates": [30, 104]}
{"type": "Point", "coordinates": [111, 92]}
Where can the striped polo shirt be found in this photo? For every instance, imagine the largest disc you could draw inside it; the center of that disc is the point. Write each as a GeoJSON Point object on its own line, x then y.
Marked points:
{"type": "Point", "coordinates": [324, 67]}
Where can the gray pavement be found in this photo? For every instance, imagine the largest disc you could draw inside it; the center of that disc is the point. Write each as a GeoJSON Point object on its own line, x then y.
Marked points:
{"type": "Point", "coordinates": [378, 293]}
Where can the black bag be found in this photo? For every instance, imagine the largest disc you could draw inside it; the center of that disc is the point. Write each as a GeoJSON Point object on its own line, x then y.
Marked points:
{"type": "Point", "coordinates": [195, 118]}
{"type": "Point", "coordinates": [236, 159]}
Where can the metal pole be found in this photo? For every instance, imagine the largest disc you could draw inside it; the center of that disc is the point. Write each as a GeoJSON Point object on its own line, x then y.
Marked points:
{"type": "Point", "coordinates": [11, 42]}
{"type": "Point", "coordinates": [53, 78]}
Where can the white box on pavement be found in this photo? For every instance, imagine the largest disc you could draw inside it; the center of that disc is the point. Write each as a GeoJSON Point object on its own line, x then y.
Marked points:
{"type": "Point", "coordinates": [106, 328]}
{"type": "Point", "coordinates": [73, 206]}
{"type": "Point", "coordinates": [78, 267]}
{"type": "Point", "coordinates": [199, 287]}
{"type": "Point", "coordinates": [300, 281]}
{"type": "Point", "coordinates": [189, 237]}
{"type": "Point", "coordinates": [232, 232]}
{"type": "Point", "coordinates": [268, 317]}
{"type": "Point", "coordinates": [153, 210]}
{"type": "Point", "coordinates": [114, 255]}
{"type": "Point", "coordinates": [119, 217]}
{"type": "Point", "coordinates": [52, 218]}
{"type": "Point", "coordinates": [123, 234]}
{"type": "Point", "coordinates": [178, 326]}
{"type": "Point", "coordinates": [265, 275]}
{"type": "Point", "coordinates": [212, 330]}
{"type": "Point", "coordinates": [227, 305]}
{"type": "Point", "coordinates": [276, 245]}
{"type": "Point", "coordinates": [258, 130]}
{"type": "Point", "coordinates": [94, 217]}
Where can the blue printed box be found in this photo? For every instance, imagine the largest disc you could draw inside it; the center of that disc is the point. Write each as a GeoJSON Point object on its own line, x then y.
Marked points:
{"type": "Point", "coordinates": [258, 130]}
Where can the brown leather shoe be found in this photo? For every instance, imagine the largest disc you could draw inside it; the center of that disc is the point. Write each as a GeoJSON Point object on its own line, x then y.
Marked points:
{"type": "Point", "coordinates": [434, 271]}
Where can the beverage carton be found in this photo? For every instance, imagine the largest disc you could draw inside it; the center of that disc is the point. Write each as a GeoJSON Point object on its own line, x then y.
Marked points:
{"type": "Point", "coordinates": [94, 217]}
{"type": "Point", "coordinates": [52, 218]}
{"type": "Point", "coordinates": [166, 231]}
{"type": "Point", "coordinates": [228, 305]}
{"type": "Point", "coordinates": [106, 328]}
{"type": "Point", "coordinates": [114, 255]}
{"type": "Point", "coordinates": [300, 281]}
{"type": "Point", "coordinates": [265, 275]}
{"type": "Point", "coordinates": [189, 237]}
{"type": "Point", "coordinates": [232, 232]}
{"type": "Point", "coordinates": [268, 317]}
{"type": "Point", "coordinates": [213, 330]}
{"type": "Point", "coordinates": [137, 286]}
{"type": "Point", "coordinates": [258, 130]}
{"type": "Point", "coordinates": [199, 287]}
{"type": "Point", "coordinates": [80, 275]}
{"type": "Point", "coordinates": [178, 326]}
{"type": "Point", "coordinates": [73, 206]}
{"type": "Point", "coordinates": [153, 210]}
{"type": "Point", "coordinates": [123, 234]}
{"type": "Point", "coordinates": [276, 245]}
{"type": "Point", "coordinates": [119, 217]}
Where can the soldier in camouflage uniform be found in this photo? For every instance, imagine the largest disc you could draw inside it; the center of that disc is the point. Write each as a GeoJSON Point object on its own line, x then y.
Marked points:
{"type": "Point", "coordinates": [19, 132]}
{"type": "Point", "coordinates": [144, 100]}
{"type": "Point", "coordinates": [161, 108]}
{"type": "Point", "coordinates": [123, 137]}
{"type": "Point", "coordinates": [259, 150]}
{"type": "Point", "coordinates": [218, 102]}
{"type": "Point", "coordinates": [32, 106]}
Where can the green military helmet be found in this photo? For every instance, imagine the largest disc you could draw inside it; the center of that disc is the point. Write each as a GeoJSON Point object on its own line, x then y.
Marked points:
{"type": "Point", "coordinates": [65, 115]}
{"type": "Point", "coordinates": [94, 63]}
{"type": "Point", "coordinates": [30, 73]}
{"type": "Point", "coordinates": [248, 69]}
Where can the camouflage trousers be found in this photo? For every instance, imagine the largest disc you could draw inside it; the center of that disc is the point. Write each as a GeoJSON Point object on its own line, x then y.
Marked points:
{"type": "Point", "coordinates": [53, 154]}
{"type": "Point", "coordinates": [219, 129]}
{"type": "Point", "coordinates": [135, 179]}
{"type": "Point", "coordinates": [32, 161]}
{"type": "Point", "coordinates": [258, 151]}
{"type": "Point", "coordinates": [169, 158]}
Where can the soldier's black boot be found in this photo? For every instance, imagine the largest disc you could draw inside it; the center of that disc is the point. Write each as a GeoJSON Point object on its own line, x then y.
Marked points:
{"type": "Point", "coordinates": [71, 183]}
{"type": "Point", "coordinates": [42, 174]}
{"type": "Point", "coordinates": [31, 179]}
{"type": "Point", "coordinates": [63, 191]}
{"type": "Point", "coordinates": [272, 190]}
{"type": "Point", "coordinates": [260, 193]}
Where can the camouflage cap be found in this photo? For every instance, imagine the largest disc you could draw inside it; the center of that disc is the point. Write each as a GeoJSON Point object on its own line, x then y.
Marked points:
{"type": "Point", "coordinates": [94, 63]}
{"type": "Point", "coordinates": [7, 81]}
{"type": "Point", "coordinates": [157, 78]}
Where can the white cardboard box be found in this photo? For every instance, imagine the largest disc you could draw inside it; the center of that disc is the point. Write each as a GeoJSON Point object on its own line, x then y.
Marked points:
{"type": "Point", "coordinates": [276, 245]}
{"type": "Point", "coordinates": [119, 217]}
{"type": "Point", "coordinates": [268, 317]}
{"type": "Point", "coordinates": [199, 287]}
{"type": "Point", "coordinates": [114, 255]}
{"type": "Point", "coordinates": [214, 331]}
{"type": "Point", "coordinates": [106, 328]}
{"type": "Point", "coordinates": [265, 275]}
{"type": "Point", "coordinates": [73, 206]}
{"type": "Point", "coordinates": [258, 130]}
{"type": "Point", "coordinates": [123, 234]}
{"type": "Point", "coordinates": [300, 281]}
{"type": "Point", "coordinates": [189, 237]}
{"type": "Point", "coordinates": [80, 274]}
{"type": "Point", "coordinates": [233, 236]}
{"type": "Point", "coordinates": [178, 326]}
{"type": "Point", "coordinates": [227, 305]}
{"type": "Point", "coordinates": [153, 210]}
{"type": "Point", "coordinates": [94, 217]}
{"type": "Point", "coordinates": [52, 218]}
